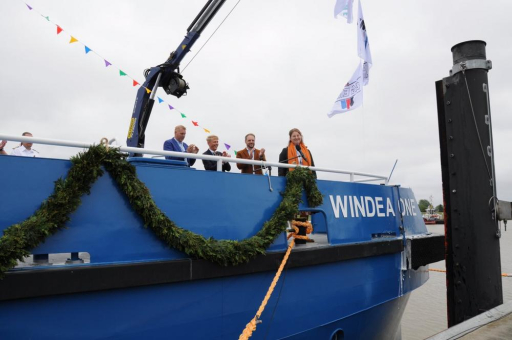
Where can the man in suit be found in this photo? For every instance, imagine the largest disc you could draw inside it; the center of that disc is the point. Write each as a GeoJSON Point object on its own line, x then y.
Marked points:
{"type": "Point", "coordinates": [213, 144]}
{"type": "Point", "coordinates": [176, 144]}
{"type": "Point", "coordinates": [250, 152]}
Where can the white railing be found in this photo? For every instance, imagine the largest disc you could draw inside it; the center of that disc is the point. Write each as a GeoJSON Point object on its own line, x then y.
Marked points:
{"type": "Point", "coordinates": [218, 159]}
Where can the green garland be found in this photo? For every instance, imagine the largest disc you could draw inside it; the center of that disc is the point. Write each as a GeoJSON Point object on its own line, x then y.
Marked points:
{"type": "Point", "coordinates": [54, 213]}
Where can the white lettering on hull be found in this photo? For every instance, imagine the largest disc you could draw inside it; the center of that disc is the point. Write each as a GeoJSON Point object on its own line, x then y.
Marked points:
{"type": "Point", "coordinates": [368, 206]}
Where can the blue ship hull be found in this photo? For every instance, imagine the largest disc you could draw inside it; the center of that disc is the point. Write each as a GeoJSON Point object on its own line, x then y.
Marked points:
{"type": "Point", "coordinates": [355, 283]}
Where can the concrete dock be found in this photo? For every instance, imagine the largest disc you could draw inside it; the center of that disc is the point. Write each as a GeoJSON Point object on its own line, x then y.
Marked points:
{"type": "Point", "coordinates": [494, 324]}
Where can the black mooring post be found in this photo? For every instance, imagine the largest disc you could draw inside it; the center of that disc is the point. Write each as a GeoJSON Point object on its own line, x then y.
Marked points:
{"type": "Point", "coordinates": [473, 269]}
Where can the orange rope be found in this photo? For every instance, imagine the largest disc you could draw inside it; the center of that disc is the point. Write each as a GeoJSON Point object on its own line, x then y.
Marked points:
{"type": "Point", "coordinates": [444, 271]}
{"type": "Point", "coordinates": [437, 270]}
{"type": "Point", "coordinates": [251, 326]}
{"type": "Point", "coordinates": [295, 232]}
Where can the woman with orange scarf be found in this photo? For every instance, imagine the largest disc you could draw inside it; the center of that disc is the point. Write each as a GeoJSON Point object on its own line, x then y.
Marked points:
{"type": "Point", "coordinates": [292, 155]}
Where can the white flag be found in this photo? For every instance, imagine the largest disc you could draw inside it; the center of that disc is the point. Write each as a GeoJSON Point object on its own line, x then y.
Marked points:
{"type": "Point", "coordinates": [352, 95]}
{"type": "Point", "coordinates": [344, 7]}
{"type": "Point", "coordinates": [366, 73]}
{"type": "Point", "coordinates": [363, 45]}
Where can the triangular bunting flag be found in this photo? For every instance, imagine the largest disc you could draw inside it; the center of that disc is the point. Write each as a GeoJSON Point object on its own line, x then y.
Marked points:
{"type": "Point", "coordinates": [183, 115]}
{"type": "Point", "coordinates": [72, 40]}
{"type": "Point", "coordinates": [121, 73]}
{"type": "Point", "coordinates": [195, 123]}
{"type": "Point", "coordinates": [87, 50]}
{"type": "Point", "coordinates": [227, 146]}
{"type": "Point", "coordinates": [30, 8]}
{"type": "Point", "coordinates": [135, 83]}
{"type": "Point", "coordinates": [170, 107]}
{"type": "Point", "coordinates": [206, 130]}
{"type": "Point", "coordinates": [59, 29]}
{"type": "Point", "coordinates": [234, 152]}
{"type": "Point", "coordinates": [160, 100]}
{"type": "Point", "coordinates": [148, 90]}
{"type": "Point", "coordinates": [107, 64]}
{"type": "Point", "coordinates": [47, 18]}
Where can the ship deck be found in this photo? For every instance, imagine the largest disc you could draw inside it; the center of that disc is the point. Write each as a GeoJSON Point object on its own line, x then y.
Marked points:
{"type": "Point", "coordinates": [320, 241]}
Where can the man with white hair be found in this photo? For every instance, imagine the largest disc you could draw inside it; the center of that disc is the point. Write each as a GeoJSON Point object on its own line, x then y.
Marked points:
{"type": "Point", "coordinates": [213, 144]}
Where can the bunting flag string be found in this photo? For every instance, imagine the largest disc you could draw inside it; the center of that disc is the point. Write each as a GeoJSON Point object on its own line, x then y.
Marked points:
{"type": "Point", "coordinates": [121, 73]}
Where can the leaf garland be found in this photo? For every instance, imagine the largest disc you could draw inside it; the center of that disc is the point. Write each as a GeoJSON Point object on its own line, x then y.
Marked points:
{"type": "Point", "coordinates": [54, 212]}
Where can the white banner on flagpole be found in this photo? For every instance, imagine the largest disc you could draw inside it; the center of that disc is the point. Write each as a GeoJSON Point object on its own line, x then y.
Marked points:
{"type": "Point", "coordinates": [344, 7]}
{"type": "Point", "coordinates": [363, 45]}
{"type": "Point", "coordinates": [352, 95]}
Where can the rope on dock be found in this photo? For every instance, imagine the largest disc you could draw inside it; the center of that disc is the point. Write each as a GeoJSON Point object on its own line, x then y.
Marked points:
{"type": "Point", "coordinates": [444, 271]}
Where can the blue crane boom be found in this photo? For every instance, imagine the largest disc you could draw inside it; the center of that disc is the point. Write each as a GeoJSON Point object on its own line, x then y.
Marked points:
{"type": "Point", "coordinates": [167, 76]}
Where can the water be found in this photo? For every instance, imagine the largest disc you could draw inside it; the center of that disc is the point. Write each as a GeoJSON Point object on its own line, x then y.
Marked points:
{"type": "Point", "coordinates": [425, 314]}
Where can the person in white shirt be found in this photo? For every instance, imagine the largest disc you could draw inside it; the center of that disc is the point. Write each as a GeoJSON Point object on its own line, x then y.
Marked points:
{"type": "Point", "coordinates": [25, 149]}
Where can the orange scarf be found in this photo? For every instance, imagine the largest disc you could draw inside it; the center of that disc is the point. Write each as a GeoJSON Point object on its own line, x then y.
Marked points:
{"type": "Point", "coordinates": [292, 155]}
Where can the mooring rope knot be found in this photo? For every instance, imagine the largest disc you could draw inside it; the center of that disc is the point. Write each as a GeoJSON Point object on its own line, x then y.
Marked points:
{"type": "Point", "coordinates": [295, 232]}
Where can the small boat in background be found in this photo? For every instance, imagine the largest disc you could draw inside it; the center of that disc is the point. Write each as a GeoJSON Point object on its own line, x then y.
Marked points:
{"type": "Point", "coordinates": [431, 216]}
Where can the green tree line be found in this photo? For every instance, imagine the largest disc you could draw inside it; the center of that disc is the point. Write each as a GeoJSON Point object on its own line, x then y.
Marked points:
{"type": "Point", "coordinates": [423, 204]}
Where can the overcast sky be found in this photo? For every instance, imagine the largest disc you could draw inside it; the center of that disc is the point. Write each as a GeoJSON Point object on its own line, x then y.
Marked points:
{"type": "Point", "coordinates": [272, 66]}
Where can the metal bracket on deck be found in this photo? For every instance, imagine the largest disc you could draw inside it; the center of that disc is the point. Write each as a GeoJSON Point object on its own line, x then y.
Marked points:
{"type": "Point", "coordinates": [471, 64]}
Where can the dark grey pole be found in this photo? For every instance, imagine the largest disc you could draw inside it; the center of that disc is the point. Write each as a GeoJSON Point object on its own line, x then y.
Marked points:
{"type": "Point", "coordinates": [472, 232]}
